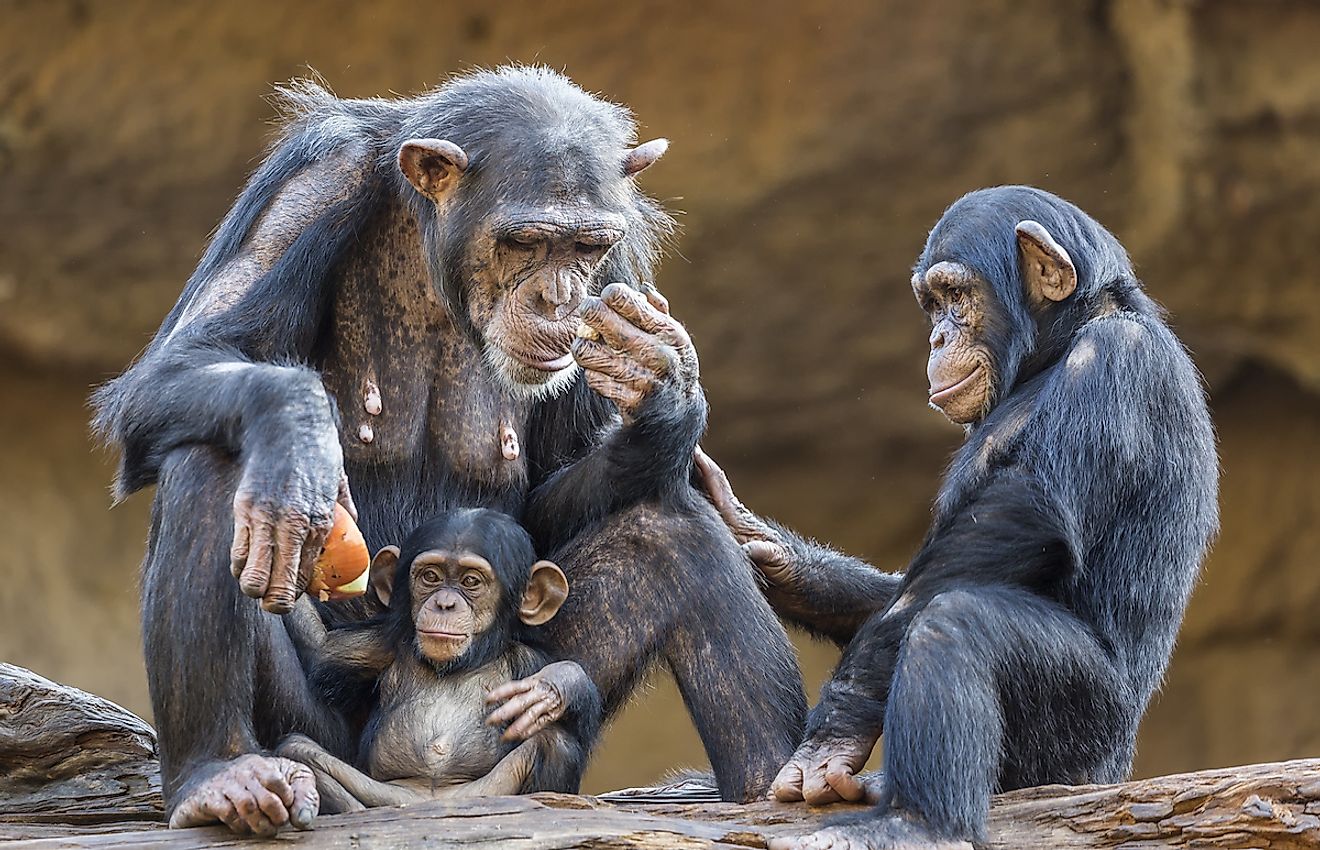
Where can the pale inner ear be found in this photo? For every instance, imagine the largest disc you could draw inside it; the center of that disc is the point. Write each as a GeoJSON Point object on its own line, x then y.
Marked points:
{"type": "Point", "coordinates": [644, 156]}
{"type": "Point", "coordinates": [383, 568]}
{"type": "Point", "coordinates": [1048, 269]}
{"type": "Point", "coordinates": [432, 166]}
{"type": "Point", "coordinates": [547, 588]}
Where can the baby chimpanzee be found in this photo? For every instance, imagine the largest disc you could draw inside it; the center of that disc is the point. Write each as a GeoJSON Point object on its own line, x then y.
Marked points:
{"type": "Point", "coordinates": [455, 639]}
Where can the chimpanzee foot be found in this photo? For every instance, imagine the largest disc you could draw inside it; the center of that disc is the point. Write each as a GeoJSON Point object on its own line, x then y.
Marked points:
{"type": "Point", "coordinates": [869, 831]}
{"type": "Point", "coordinates": [252, 795]}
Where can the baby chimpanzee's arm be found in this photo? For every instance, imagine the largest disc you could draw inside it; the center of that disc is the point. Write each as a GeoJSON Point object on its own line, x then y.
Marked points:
{"type": "Point", "coordinates": [342, 664]}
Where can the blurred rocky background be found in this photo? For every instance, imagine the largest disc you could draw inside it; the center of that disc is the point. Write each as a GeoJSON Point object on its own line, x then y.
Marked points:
{"type": "Point", "coordinates": [813, 145]}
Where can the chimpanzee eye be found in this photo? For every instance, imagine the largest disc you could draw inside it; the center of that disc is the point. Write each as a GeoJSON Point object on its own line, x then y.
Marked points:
{"type": "Point", "coordinates": [431, 576]}
{"type": "Point", "coordinates": [587, 248]}
{"type": "Point", "coordinates": [471, 581]}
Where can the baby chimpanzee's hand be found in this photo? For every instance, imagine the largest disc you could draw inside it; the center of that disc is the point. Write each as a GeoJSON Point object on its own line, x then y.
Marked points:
{"type": "Point", "coordinates": [534, 703]}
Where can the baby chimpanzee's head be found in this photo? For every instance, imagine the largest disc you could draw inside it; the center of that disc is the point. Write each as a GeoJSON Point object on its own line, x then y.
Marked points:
{"type": "Point", "coordinates": [462, 587]}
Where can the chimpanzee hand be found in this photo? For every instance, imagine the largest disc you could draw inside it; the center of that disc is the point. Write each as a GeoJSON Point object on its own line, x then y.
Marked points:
{"type": "Point", "coordinates": [284, 506]}
{"type": "Point", "coordinates": [762, 543]}
{"type": "Point", "coordinates": [537, 701]}
{"type": "Point", "coordinates": [825, 771]}
{"type": "Point", "coordinates": [252, 794]}
{"type": "Point", "coordinates": [633, 350]}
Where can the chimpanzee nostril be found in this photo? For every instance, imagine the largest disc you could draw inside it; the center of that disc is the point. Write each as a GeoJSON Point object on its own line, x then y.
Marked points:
{"type": "Point", "coordinates": [937, 338]}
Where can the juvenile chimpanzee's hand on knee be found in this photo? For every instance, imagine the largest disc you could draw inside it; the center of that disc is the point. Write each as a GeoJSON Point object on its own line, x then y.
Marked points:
{"type": "Point", "coordinates": [284, 509]}
{"type": "Point", "coordinates": [252, 794]}
{"type": "Point", "coordinates": [633, 351]}
{"type": "Point", "coordinates": [763, 544]}
{"type": "Point", "coordinates": [533, 703]}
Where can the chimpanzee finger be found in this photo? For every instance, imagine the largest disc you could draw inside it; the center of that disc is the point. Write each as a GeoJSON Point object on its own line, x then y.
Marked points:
{"type": "Point", "coordinates": [533, 720]}
{"type": "Point", "coordinates": [255, 577]}
{"type": "Point", "coordinates": [306, 799]}
{"type": "Point", "coordinates": [597, 358]}
{"type": "Point", "coordinates": [625, 397]}
{"type": "Point", "coordinates": [717, 486]}
{"type": "Point", "coordinates": [345, 497]}
{"type": "Point", "coordinates": [621, 335]}
{"type": "Point", "coordinates": [657, 300]}
{"type": "Point", "coordinates": [238, 550]}
{"type": "Point", "coordinates": [269, 805]}
{"type": "Point", "coordinates": [514, 707]}
{"type": "Point", "coordinates": [245, 802]}
{"type": "Point", "coordinates": [787, 786]}
{"type": "Point", "coordinates": [839, 774]}
{"type": "Point", "coordinates": [271, 776]}
{"type": "Point", "coordinates": [311, 550]}
{"type": "Point", "coordinates": [283, 589]}
{"type": "Point", "coordinates": [508, 690]}
{"type": "Point", "coordinates": [640, 312]}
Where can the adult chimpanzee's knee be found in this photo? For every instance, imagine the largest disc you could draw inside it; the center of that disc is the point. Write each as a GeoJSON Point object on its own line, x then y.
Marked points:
{"type": "Point", "coordinates": [993, 689]}
{"type": "Point", "coordinates": [223, 675]}
{"type": "Point", "coordinates": [670, 583]}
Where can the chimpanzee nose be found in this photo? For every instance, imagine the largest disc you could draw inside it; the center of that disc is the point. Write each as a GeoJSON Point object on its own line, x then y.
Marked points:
{"type": "Point", "coordinates": [937, 337]}
{"type": "Point", "coordinates": [559, 295]}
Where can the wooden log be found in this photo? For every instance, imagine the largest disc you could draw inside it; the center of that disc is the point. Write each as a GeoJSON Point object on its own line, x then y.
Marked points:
{"type": "Point", "coordinates": [67, 756]}
{"type": "Point", "coordinates": [1275, 806]}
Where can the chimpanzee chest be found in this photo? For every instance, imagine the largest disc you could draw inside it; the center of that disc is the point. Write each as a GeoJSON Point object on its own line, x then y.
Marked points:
{"type": "Point", "coordinates": [411, 386]}
{"type": "Point", "coordinates": [435, 734]}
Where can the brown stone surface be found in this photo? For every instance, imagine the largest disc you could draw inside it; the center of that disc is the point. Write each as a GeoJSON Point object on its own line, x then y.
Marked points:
{"type": "Point", "coordinates": [813, 144]}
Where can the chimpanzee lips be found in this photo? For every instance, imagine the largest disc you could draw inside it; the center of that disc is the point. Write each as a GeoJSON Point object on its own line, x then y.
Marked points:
{"type": "Point", "coordinates": [454, 636]}
{"type": "Point", "coordinates": [938, 396]}
{"type": "Point", "coordinates": [555, 365]}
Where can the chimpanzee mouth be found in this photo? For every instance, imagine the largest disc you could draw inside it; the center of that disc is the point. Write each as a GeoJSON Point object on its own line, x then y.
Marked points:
{"type": "Point", "coordinates": [556, 365]}
{"type": "Point", "coordinates": [939, 396]}
{"type": "Point", "coordinates": [447, 636]}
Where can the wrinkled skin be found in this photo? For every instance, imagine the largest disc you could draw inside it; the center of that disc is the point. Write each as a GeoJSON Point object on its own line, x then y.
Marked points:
{"type": "Point", "coordinates": [252, 795]}
{"type": "Point", "coordinates": [530, 705]}
{"type": "Point", "coordinates": [960, 369]}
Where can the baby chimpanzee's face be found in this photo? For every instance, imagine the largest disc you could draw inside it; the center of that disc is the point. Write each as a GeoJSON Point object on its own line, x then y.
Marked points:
{"type": "Point", "coordinates": [469, 579]}
{"type": "Point", "coordinates": [455, 597]}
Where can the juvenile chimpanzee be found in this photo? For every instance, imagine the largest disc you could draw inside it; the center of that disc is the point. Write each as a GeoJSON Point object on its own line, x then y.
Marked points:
{"type": "Point", "coordinates": [393, 302]}
{"type": "Point", "coordinates": [1027, 635]}
{"type": "Point", "coordinates": [463, 597]}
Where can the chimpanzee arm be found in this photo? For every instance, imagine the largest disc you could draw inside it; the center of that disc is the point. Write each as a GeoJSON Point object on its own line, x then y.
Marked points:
{"type": "Point", "coordinates": [813, 586]}
{"type": "Point", "coordinates": [223, 369]}
{"type": "Point", "coordinates": [343, 663]}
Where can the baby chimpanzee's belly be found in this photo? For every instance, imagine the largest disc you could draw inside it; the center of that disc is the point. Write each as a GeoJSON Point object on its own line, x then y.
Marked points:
{"type": "Point", "coordinates": [439, 736]}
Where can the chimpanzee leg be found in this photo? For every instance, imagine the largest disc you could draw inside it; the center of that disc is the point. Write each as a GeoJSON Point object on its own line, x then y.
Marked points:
{"type": "Point", "coordinates": [672, 583]}
{"type": "Point", "coordinates": [223, 674]}
{"type": "Point", "coordinates": [994, 689]}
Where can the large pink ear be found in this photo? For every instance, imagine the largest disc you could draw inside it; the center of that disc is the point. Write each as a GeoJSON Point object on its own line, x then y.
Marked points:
{"type": "Point", "coordinates": [432, 166]}
{"type": "Point", "coordinates": [644, 156]}
{"type": "Point", "coordinates": [383, 568]}
{"type": "Point", "coordinates": [1046, 266]}
{"type": "Point", "coordinates": [547, 588]}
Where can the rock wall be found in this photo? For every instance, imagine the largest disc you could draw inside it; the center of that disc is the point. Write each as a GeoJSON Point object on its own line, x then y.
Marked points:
{"type": "Point", "coordinates": [813, 145]}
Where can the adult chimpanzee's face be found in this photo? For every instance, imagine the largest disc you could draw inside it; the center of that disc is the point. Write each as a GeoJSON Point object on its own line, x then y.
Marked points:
{"type": "Point", "coordinates": [533, 243]}
{"type": "Point", "coordinates": [529, 269]}
{"type": "Point", "coordinates": [961, 368]}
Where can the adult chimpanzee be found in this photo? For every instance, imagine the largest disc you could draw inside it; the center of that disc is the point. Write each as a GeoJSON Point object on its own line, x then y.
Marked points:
{"type": "Point", "coordinates": [422, 266]}
{"type": "Point", "coordinates": [463, 595]}
{"type": "Point", "coordinates": [1027, 635]}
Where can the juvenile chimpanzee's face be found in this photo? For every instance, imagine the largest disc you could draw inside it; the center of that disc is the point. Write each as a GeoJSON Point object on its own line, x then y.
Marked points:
{"type": "Point", "coordinates": [961, 368]}
{"type": "Point", "coordinates": [535, 240]}
{"type": "Point", "coordinates": [470, 579]}
{"type": "Point", "coordinates": [975, 342]}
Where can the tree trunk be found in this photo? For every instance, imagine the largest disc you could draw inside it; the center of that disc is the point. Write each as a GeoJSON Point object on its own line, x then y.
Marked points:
{"type": "Point", "coordinates": [79, 771]}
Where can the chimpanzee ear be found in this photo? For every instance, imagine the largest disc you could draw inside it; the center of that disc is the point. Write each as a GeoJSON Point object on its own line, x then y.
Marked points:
{"type": "Point", "coordinates": [1046, 266]}
{"type": "Point", "coordinates": [383, 568]}
{"type": "Point", "coordinates": [432, 166]}
{"type": "Point", "coordinates": [644, 156]}
{"type": "Point", "coordinates": [547, 588]}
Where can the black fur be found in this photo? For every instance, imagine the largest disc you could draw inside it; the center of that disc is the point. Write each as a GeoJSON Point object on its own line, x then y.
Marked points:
{"type": "Point", "coordinates": [1029, 632]}
{"type": "Point", "coordinates": [225, 395]}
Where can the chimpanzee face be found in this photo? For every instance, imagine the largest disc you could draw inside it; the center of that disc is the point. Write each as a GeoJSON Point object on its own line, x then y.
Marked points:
{"type": "Point", "coordinates": [971, 324]}
{"type": "Point", "coordinates": [469, 581]}
{"type": "Point", "coordinates": [537, 222]}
